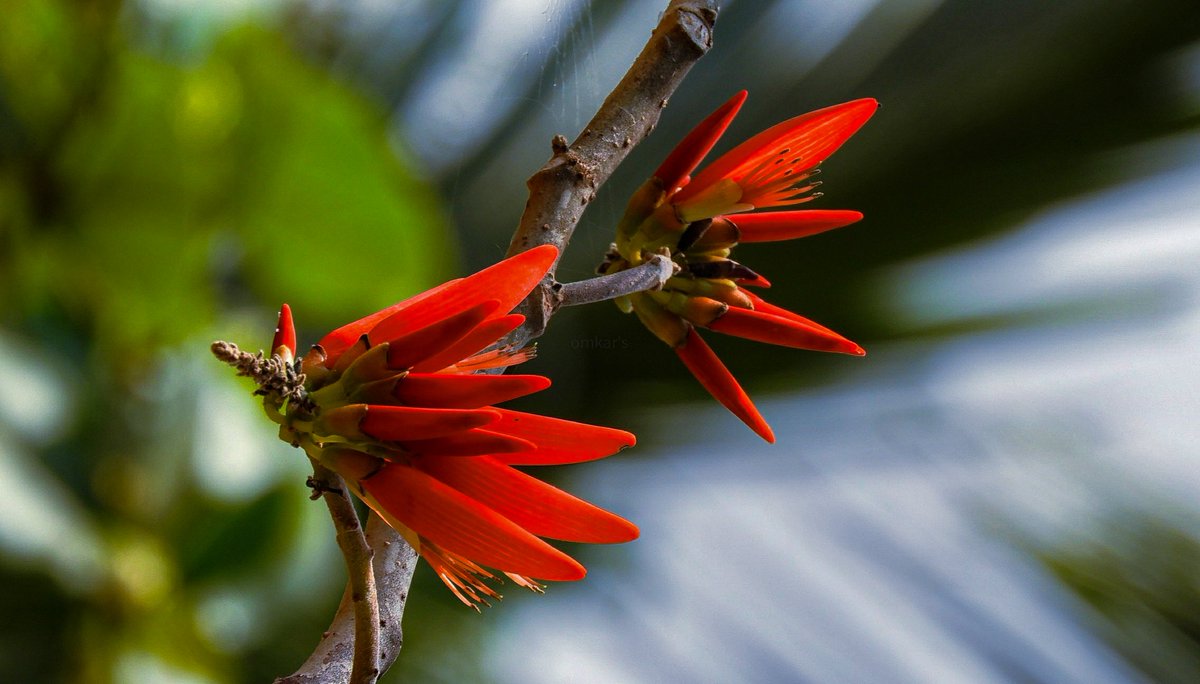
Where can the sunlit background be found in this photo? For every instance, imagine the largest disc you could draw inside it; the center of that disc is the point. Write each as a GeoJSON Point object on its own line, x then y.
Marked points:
{"type": "Point", "coordinates": [1003, 490]}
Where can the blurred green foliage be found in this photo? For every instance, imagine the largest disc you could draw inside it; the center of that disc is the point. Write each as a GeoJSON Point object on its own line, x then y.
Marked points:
{"type": "Point", "coordinates": [1139, 576]}
{"type": "Point", "coordinates": [151, 201]}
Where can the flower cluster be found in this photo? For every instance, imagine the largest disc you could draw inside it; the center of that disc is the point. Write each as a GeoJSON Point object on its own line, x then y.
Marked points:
{"type": "Point", "coordinates": [698, 221]}
{"type": "Point", "coordinates": [396, 404]}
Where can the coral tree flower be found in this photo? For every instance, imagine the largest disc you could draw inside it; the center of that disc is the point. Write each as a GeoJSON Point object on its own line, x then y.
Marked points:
{"type": "Point", "coordinates": [393, 403]}
{"type": "Point", "coordinates": [698, 220]}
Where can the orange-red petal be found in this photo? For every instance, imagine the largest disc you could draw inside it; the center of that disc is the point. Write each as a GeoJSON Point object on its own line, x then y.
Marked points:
{"type": "Point", "coordinates": [771, 226]}
{"type": "Point", "coordinates": [464, 526]}
{"type": "Point", "coordinates": [415, 346]}
{"type": "Point", "coordinates": [558, 441]}
{"type": "Point", "coordinates": [764, 306]}
{"type": "Point", "coordinates": [337, 341]}
{"type": "Point", "coordinates": [406, 423]}
{"type": "Point", "coordinates": [507, 282]}
{"type": "Point", "coordinates": [479, 338]}
{"type": "Point", "coordinates": [720, 383]}
{"type": "Point", "coordinates": [765, 327]}
{"type": "Point", "coordinates": [693, 148]}
{"type": "Point", "coordinates": [801, 142]}
{"type": "Point", "coordinates": [447, 390]}
{"type": "Point", "coordinates": [285, 332]}
{"type": "Point", "coordinates": [757, 281]}
{"type": "Point", "coordinates": [477, 442]}
{"type": "Point", "coordinates": [536, 506]}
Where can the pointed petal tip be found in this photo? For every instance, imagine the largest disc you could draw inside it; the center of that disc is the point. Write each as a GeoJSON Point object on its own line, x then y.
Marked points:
{"type": "Point", "coordinates": [736, 102]}
{"type": "Point", "coordinates": [540, 258]}
{"type": "Point", "coordinates": [545, 251]}
{"type": "Point", "coordinates": [847, 347]}
{"type": "Point", "coordinates": [863, 108]}
{"type": "Point", "coordinates": [757, 281]}
{"type": "Point", "coordinates": [285, 332]}
{"type": "Point", "coordinates": [564, 568]}
{"type": "Point", "coordinates": [579, 573]}
{"type": "Point", "coordinates": [621, 531]}
{"type": "Point", "coordinates": [689, 152]}
{"type": "Point", "coordinates": [772, 328]}
{"type": "Point", "coordinates": [559, 441]}
{"type": "Point", "coordinates": [712, 374]}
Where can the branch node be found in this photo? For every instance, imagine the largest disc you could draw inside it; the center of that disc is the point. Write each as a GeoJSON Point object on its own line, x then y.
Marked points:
{"type": "Point", "coordinates": [320, 487]}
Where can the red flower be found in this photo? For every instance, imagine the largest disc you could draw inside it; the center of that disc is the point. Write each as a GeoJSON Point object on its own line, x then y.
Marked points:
{"type": "Point", "coordinates": [393, 404]}
{"type": "Point", "coordinates": [699, 220]}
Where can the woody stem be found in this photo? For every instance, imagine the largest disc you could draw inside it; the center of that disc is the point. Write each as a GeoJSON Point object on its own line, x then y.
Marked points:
{"type": "Point", "coordinates": [563, 187]}
{"type": "Point", "coordinates": [648, 276]}
{"type": "Point", "coordinates": [360, 601]}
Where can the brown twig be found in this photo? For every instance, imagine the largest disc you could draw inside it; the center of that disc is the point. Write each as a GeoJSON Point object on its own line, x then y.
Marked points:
{"type": "Point", "coordinates": [346, 655]}
{"type": "Point", "coordinates": [393, 562]}
{"type": "Point", "coordinates": [648, 276]}
{"type": "Point", "coordinates": [562, 189]}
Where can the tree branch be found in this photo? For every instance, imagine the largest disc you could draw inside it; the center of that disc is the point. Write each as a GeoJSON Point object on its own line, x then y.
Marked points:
{"type": "Point", "coordinates": [349, 649]}
{"type": "Point", "coordinates": [648, 276]}
{"type": "Point", "coordinates": [393, 562]}
{"type": "Point", "coordinates": [561, 190]}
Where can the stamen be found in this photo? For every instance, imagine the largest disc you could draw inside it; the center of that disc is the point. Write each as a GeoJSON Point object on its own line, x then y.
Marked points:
{"type": "Point", "coordinates": [501, 357]}
{"type": "Point", "coordinates": [523, 581]}
{"type": "Point", "coordinates": [462, 577]}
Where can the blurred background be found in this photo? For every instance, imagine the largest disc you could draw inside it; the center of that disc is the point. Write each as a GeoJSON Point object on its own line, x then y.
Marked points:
{"type": "Point", "coordinates": [1003, 490]}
